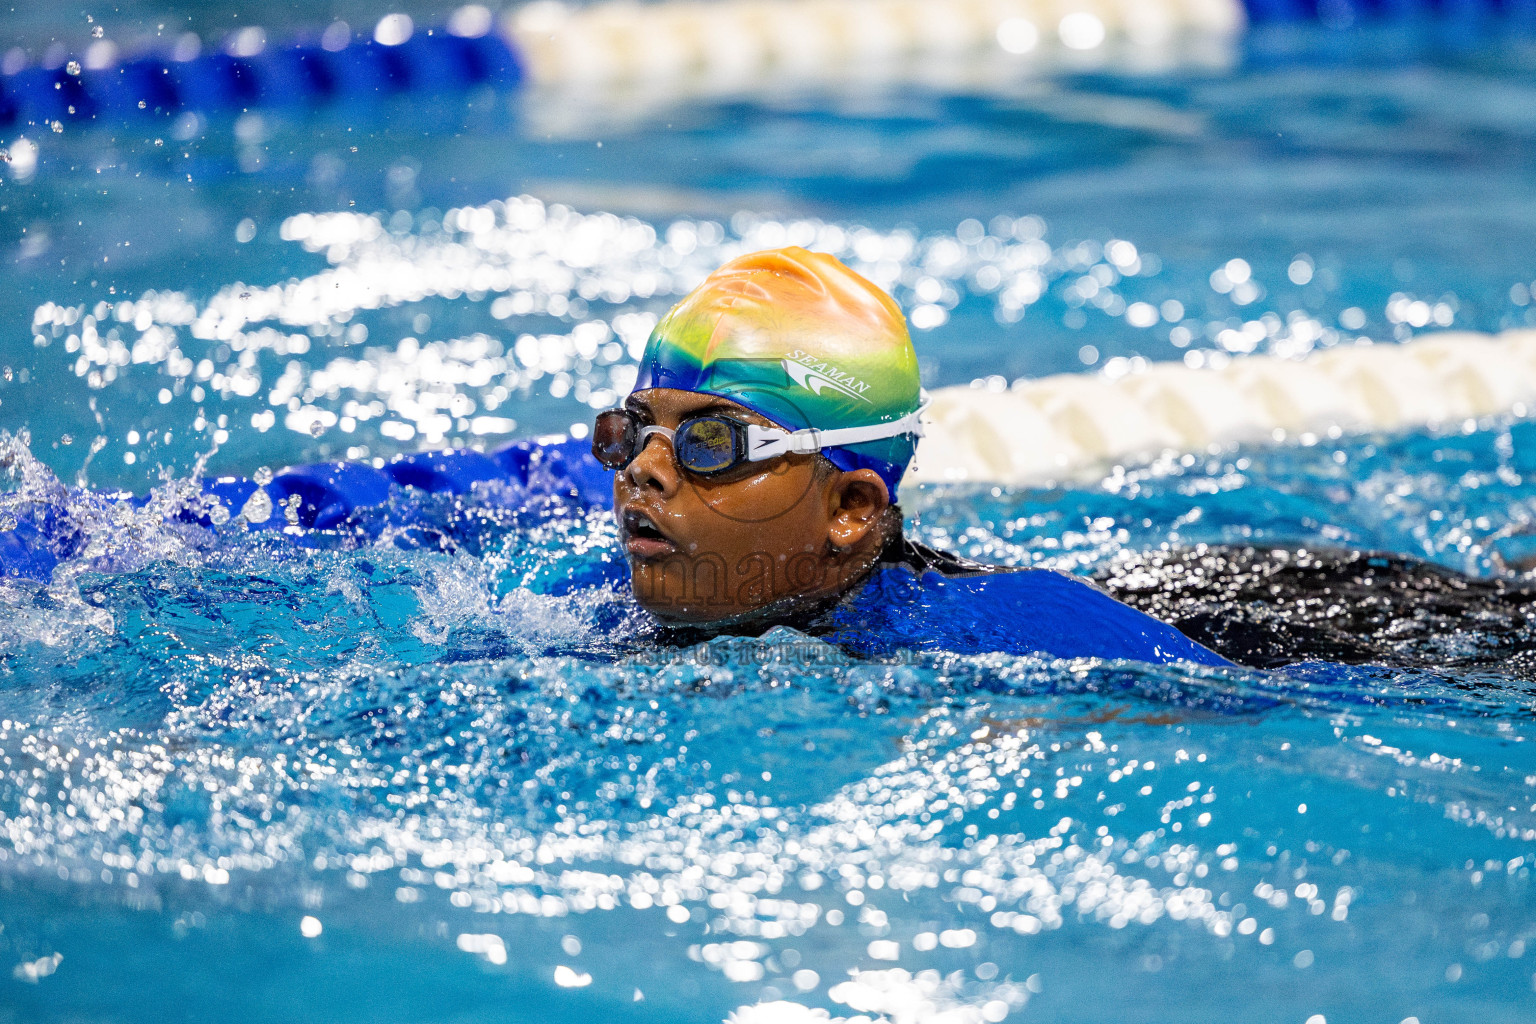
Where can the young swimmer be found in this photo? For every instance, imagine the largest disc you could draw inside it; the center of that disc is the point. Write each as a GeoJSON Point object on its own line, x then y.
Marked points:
{"type": "Point", "coordinates": [756, 466]}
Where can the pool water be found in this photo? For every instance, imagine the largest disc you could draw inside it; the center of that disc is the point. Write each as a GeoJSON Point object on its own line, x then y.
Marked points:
{"type": "Point", "coordinates": [454, 775]}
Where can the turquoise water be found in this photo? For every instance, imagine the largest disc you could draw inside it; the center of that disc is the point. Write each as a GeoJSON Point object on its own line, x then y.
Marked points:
{"type": "Point", "coordinates": [242, 777]}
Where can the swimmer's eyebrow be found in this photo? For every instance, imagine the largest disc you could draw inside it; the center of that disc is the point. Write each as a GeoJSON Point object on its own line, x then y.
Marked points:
{"type": "Point", "coordinates": [719, 408]}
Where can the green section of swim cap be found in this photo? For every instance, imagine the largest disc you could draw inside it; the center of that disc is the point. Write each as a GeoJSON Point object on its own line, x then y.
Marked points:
{"type": "Point", "coordinates": [798, 337]}
{"type": "Point", "coordinates": [797, 385]}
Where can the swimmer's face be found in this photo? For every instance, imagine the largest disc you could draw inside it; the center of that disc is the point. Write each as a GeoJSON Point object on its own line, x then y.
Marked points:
{"type": "Point", "coordinates": [762, 536]}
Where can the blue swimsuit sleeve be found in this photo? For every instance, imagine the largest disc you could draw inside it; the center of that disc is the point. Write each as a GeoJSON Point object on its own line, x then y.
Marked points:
{"type": "Point", "coordinates": [346, 502]}
{"type": "Point", "coordinates": [1030, 611]}
{"type": "Point", "coordinates": [1058, 614]}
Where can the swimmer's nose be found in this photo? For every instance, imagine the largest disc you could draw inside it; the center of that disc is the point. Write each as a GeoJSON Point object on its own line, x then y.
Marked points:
{"type": "Point", "coordinates": [655, 467]}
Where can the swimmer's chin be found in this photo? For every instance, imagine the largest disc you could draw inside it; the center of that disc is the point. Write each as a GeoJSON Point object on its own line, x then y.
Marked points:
{"type": "Point", "coordinates": [671, 614]}
{"type": "Point", "coordinates": [718, 619]}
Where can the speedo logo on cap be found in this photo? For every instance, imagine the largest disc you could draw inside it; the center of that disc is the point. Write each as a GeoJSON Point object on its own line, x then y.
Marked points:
{"type": "Point", "coordinates": [816, 376]}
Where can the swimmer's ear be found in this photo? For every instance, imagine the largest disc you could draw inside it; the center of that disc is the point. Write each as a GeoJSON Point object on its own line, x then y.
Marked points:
{"type": "Point", "coordinates": [856, 501]}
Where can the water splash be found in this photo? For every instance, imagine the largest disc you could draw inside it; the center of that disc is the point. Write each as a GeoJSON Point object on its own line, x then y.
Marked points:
{"type": "Point", "coordinates": [386, 736]}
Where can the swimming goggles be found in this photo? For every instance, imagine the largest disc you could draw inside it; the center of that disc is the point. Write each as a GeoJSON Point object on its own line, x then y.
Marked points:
{"type": "Point", "coordinates": [711, 445]}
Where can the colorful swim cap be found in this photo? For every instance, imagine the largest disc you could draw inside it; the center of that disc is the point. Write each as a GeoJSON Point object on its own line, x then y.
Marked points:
{"type": "Point", "coordinates": [799, 338]}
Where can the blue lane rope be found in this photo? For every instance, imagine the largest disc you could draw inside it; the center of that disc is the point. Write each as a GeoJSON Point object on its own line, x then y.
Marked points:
{"type": "Point", "coordinates": [302, 72]}
{"type": "Point", "coordinates": [296, 74]}
{"type": "Point", "coordinates": [1349, 12]}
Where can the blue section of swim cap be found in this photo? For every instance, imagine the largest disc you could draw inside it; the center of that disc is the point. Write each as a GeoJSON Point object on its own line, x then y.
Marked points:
{"type": "Point", "coordinates": [847, 459]}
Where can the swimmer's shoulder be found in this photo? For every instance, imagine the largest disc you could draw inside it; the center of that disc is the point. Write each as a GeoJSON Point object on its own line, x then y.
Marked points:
{"type": "Point", "coordinates": [1031, 609]}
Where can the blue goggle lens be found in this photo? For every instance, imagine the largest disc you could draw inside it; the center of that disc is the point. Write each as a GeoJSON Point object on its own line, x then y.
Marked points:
{"type": "Point", "coordinates": [707, 445]}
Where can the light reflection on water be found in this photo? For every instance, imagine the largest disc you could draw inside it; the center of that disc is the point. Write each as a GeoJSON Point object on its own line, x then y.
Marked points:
{"type": "Point", "coordinates": [381, 757]}
{"type": "Point", "coordinates": [272, 782]}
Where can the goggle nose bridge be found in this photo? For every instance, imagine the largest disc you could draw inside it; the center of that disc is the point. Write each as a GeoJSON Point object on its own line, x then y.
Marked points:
{"type": "Point", "coordinates": [644, 434]}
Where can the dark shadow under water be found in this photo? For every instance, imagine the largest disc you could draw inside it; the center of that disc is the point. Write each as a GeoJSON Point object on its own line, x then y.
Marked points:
{"type": "Point", "coordinates": [1267, 607]}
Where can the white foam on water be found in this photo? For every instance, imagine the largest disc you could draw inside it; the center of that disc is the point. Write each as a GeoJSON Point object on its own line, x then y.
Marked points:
{"type": "Point", "coordinates": [113, 536]}
{"type": "Point", "coordinates": [459, 592]}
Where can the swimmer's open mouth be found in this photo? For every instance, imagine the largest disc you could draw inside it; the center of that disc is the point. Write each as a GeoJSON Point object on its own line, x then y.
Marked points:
{"type": "Point", "coordinates": [642, 537]}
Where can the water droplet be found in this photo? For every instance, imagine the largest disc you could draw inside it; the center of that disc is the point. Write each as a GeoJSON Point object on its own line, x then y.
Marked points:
{"type": "Point", "coordinates": [258, 507]}
{"type": "Point", "coordinates": [263, 475]}
{"type": "Point", "coordinates": [73, 67]}
{"type": "Point", "coordinates": [98, 32]}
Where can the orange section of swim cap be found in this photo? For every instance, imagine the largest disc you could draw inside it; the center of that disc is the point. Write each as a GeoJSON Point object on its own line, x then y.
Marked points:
{"type": "Point", "coordinates": [800, 338]}
{"type": "Point", "coordinates": [793, 293]}
{"type": "Point", "coordinates": [792, 304]}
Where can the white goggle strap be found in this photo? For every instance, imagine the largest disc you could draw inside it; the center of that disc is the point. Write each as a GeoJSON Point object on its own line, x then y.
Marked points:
{"type": "Point", "coordinates": [771, 442]}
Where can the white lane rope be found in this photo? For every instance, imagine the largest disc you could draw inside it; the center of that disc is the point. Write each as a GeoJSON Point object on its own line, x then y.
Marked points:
{"type": "Point", "coordinates": [749, 41]}
{"type": "Point", "coordinates": [1074, 425]}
